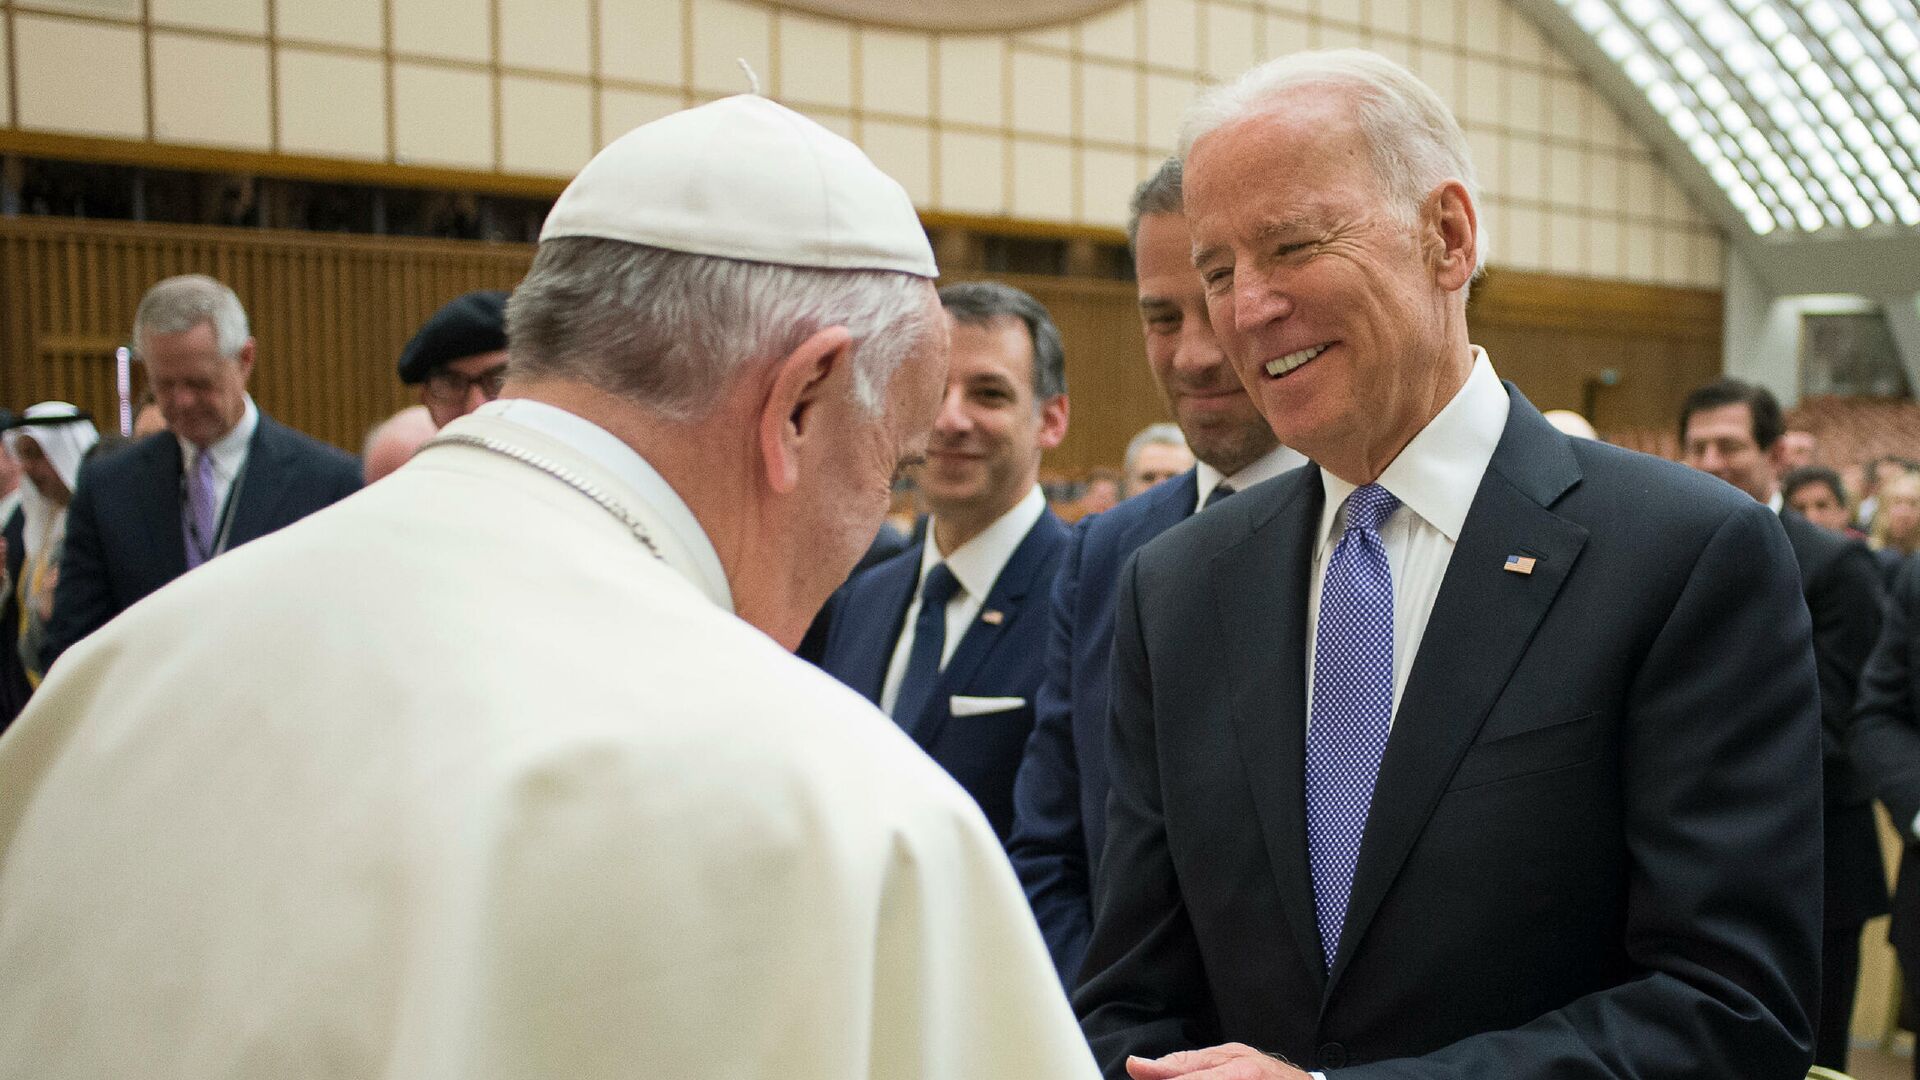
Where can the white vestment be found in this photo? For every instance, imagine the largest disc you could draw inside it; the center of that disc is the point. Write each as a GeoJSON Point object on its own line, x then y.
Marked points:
{"type": "Point", "coordinates": [456, 781]}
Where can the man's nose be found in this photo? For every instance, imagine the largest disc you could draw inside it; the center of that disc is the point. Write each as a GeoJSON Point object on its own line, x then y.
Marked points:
{"type": "Point", "coordinates": [953, 414]}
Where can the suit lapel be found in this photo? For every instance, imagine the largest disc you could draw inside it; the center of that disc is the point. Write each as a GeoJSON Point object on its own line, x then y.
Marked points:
{"type": "Point", "coordinates": [260, 489]}
{"type": "Point", "coordinates": [158, 494]}
{"type": "Point", "coordinates": [1170, 508]}
{"type": "Point", "coordinates": [1005, 598]}
{"type": "Point", "coordinates": [1260, 592]}
{"type": "Point", "coordinates": [875, 626]}
{"type": "Point", "coordinates": [1482, 620]}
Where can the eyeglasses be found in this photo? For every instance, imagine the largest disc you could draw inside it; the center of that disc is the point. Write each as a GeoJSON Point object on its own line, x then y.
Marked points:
{"type": "Point", "coordinates": [450, 387]}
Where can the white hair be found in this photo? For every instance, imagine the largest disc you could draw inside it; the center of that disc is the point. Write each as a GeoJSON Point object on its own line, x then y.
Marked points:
{"type": "Point", "coordinates": [179, 304]}
{"type": "Point", "coordinates": [1414, 141]}
{"type": "Point", "coordinates": [670, 329]}
{"type": "Point", "coordinates": [1161, 434]}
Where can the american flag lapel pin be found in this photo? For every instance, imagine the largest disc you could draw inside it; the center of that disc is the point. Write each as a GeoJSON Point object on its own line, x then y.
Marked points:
{"type": "Point", "coordinates": [992, 617]}
{"type": "Point", "coordinates": [1520, 564]}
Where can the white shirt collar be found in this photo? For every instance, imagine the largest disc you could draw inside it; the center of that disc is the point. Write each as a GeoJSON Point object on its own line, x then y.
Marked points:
{"type": "Point", "coordinates": [603, 449]}
{"type": "Point", "coordinates": [1437, 474]}
{"type": "Point", "coordinates": [230, 451]}
{"type": "Point", "coordinates": [1267, 466]}
{"type": "Point", "coordinates": [1776, 501]}
{"type": "Point", "coordinates": [977, 563]}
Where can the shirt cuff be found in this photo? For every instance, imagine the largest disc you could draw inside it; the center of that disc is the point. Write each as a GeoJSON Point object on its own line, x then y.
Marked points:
{"type": "Point", "coordinates": [1915, 830]}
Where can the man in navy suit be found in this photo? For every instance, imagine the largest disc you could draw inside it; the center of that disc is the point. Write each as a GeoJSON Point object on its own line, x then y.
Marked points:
{"type": "Point", "coordinates": [222, 474]}
{"type": "Point", "coordinates": [1476, 750]}
{"type": "Point", "coordinates": [948, 637]}
{"type": "Point", "coordinates": [1060, 795]}
{"type": "Point", "coordinates": [1734, 430]}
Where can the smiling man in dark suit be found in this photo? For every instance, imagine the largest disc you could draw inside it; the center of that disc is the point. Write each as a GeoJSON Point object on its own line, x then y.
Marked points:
{"type": "Point", "coordinates": [948, 636]}
{"type": "Point", "coordinates": [1476, 751]}
{"type": "Point", "coordinates": [222, 474]}
{"type": "Point", "coordinates": [1060, 795]}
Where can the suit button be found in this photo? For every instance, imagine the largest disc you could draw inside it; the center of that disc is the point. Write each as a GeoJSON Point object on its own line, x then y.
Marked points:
{"type": "Point", "coordinates": [1333, 1056]}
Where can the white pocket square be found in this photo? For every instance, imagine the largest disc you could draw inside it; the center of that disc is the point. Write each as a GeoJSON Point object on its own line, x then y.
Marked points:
{"type": "Point", "coordinates": [961, 705]}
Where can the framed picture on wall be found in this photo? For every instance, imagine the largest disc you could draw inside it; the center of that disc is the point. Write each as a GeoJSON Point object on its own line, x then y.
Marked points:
{"type": "Point", "coordinates": [1850, 354]}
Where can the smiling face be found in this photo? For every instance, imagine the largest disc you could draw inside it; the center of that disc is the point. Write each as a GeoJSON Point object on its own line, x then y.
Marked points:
{"type": "Point", "coordinates": [1346, 322]}
{"type": "Point", "coordinates": [984, 455]}
{"type": "Point", "coordinates": [1203, 392]}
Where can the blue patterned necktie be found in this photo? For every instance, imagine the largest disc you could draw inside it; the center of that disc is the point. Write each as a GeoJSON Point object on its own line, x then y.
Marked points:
{"type": "Point", "coordinates": [1352, 706]}
{"type": "Point", "coordinates": [929, 641]}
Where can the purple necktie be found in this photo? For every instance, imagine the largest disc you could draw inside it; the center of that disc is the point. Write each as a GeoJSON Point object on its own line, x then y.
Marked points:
{"type": "Point", "coordinates": [1352, 706]}
{"type": "Point", "coordinates": [199, 523]}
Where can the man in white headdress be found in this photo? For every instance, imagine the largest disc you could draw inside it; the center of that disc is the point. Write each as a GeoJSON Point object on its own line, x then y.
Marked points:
{"type": "Point", "coordinates": [502, 767]}
{"type": "Point", "coordinates": [49, 441]}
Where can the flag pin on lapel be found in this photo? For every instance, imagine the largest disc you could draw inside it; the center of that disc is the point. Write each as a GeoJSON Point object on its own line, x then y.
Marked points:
{"type": "Point", "coordinates": [992, 617]}
{"type": "Point", "coordinates": [1520, 564]}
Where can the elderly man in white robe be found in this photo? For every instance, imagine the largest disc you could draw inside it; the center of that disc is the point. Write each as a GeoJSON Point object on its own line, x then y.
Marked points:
{"type": "Point", "coordinates": [502, 767]}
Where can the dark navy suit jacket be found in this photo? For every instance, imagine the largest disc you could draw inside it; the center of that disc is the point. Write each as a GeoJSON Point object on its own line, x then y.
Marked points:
{"type": "Point", "coordinates": [1000, 656]}
{"type": "Point", "coordinates": [1060, 794]}
{"type": "Point", "coordinates": [1594, 844]}
{"type": "Point", "coordinates": [123, 529]}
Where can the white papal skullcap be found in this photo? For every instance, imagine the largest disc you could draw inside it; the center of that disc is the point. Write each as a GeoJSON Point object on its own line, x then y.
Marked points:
{"type": "Point", "coordinates": [745, 178]}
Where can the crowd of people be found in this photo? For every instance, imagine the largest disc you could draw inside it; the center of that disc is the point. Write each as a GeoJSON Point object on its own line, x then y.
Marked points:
{"type": "Point", "coordinates": [1369, 726]}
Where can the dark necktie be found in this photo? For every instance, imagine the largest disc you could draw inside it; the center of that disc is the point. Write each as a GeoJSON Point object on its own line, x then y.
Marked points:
{"type": "Point", "coordinates": [929, 641]}
{"type": "Point", "coordinates": [1220, 491]}
{"type": "Point", "coordinates": [1352, 706]}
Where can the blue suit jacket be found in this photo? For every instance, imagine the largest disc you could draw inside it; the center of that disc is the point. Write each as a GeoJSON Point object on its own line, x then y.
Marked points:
{"type": "Point", "coordinates": [994, 659]}
{"type": "Point", "coordinates": [1060, 794]}
{"type": "Point", "coordinates": [123, 529]}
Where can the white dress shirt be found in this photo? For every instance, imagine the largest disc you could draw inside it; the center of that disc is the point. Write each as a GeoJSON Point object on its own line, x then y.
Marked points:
{"type": "Point", "coordinates": [1435, 478]}
{"type": "Point", "coordinates": [1269, 465]}
{"type": "Point", "coordinates": [600, 446]}
{"type": "Point", "coordinates": [229, 458]}
{"type": "Point", "coordinates": [976, 565]}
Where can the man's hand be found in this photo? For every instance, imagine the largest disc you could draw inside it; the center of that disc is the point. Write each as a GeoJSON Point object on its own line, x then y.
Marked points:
{"type": "Point", "coordinates": [1234, 1061]}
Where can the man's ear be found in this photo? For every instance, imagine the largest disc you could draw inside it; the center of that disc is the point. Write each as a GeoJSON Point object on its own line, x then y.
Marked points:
{"type": "Point", "coordinates": [1053, 421]}
{"type": "Point", "coordinates": [790, 414]}
{"type": "Point", "coordinates": [1777, 455]}
{"type": "Point", "coordinates": [1452, 231]}
{"type": "Point", "coordinates": [245, 359]}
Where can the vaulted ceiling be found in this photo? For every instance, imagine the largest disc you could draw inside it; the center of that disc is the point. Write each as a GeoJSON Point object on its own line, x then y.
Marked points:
{"type": "Point", "coordinates": [1795, 122]}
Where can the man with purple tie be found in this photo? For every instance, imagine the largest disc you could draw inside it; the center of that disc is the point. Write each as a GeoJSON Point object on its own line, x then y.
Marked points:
{"type": "Point", "coordinates": [1388, 801]}
{"type": "Point", "coordinates": [222, 474]}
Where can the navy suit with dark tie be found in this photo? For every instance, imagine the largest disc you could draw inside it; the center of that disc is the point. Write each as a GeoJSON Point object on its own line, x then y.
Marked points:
{"type": "Point", "coordinates": [124, 537]}
{"type": "Point", "coordinates": [1060, 794]}
{"type": "Point", "coordinates": [1000, 656]}
{"type": "Point", "coordinates": [1594, 848]}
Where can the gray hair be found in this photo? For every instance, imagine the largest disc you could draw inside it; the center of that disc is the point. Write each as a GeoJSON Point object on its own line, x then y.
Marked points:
{"type": "Point", "coordinates": [181, 303]}
{"type": "Point", "coordinates": [1161, 434]}
{"type": "Point", "coordinates": [670, 329]}
{"type": "Point", "coordinates": [1413, 138]}
{"type": "Point", "coordinates": [1158, 194]}
{"type": "Point", "coordinates": [977, 303]}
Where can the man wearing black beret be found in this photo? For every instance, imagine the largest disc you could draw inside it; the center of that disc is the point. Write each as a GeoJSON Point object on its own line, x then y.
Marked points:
{"type": "Point", "coordinates": [459, 358]}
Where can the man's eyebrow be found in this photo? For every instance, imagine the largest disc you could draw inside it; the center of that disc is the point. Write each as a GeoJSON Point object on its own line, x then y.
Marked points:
{"type": "Point", "coordinates": [1288, 227]}
{"type": "Point", "coordinates": [1157, 303]}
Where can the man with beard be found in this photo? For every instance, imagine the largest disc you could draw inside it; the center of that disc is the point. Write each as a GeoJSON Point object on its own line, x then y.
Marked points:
{"type": "Point", "coordinates": [1060, 798]}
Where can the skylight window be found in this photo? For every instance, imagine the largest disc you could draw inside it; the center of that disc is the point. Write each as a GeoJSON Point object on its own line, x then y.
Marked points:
{"type": "Point", "coordinates": [1806, 113]}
